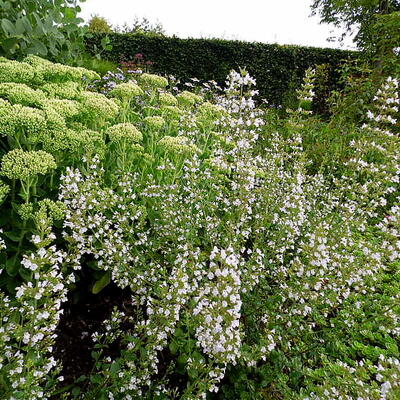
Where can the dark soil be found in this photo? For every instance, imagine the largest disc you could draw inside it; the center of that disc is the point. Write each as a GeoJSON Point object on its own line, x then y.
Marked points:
{"type": "Point", "coordinates": [83, 315]}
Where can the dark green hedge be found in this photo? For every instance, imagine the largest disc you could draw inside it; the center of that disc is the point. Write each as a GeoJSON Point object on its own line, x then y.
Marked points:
{"type": "Point", "coordinates": [276, 68]}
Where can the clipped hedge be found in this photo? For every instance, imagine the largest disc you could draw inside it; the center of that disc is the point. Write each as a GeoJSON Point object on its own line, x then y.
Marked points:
{"type": "Point", "coordinates": [277, 69]}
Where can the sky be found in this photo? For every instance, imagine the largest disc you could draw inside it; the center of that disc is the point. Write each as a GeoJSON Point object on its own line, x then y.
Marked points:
{"type": "Point", "coordinates": [268, 21]}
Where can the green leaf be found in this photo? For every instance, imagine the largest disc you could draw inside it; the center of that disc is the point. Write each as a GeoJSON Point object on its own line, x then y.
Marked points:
{"type": "Point", "coordinates": [182, 360]}
{"type": "Point", "coordinates": [25, 274]}
{"type": "Point", "coordinates": [13, 236]}
{"type": "Point", "coordinates": [173, 347]}
{"type": "Point", "coordinates": [8, 27]}
{"type": "Point", "coordinates": [179, 333]}
{"type": "Point", "coordinates": [37, 47]}
{"type": "Point", "coordinates": [10, 44]}
{"type": "Point", "coordinates": [40, 27]}
{"type": "Point", "coordinates": [12, 266]}
{"type": "Point", "coordinates": [96, 379]}
{"type": "Point", "coordinates": [101, 283]}
{"type": "Point", "coordinates": [20, 27]}
{"type": "Point", "coordinates": [105, 41]}
{"type": "Point", "coordinates": [27, 24]}
{"type": "Point", "coordinates": [115, 367]}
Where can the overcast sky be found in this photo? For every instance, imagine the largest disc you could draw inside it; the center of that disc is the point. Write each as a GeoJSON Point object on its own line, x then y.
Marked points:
{"type": "Point", "coordinates": [268, 21]}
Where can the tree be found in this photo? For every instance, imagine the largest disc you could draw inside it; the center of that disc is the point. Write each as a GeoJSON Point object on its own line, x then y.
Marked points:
{"type": "Point", "coordinates": [48, 28]}
{"type": "Point", "coordinates": [141, 26]}
{"type": "Point", "coordinates": [355, 16]}
{"type": "Point", "coordinates": [99, 24]}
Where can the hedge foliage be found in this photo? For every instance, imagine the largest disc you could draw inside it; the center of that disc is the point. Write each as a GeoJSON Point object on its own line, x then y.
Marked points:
{"type": "Point", "coordinates": [277, 69]}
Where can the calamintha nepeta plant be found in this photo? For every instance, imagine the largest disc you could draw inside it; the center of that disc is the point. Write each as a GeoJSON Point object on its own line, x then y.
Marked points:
{"type": "Point", "coordinates": [237, 260]}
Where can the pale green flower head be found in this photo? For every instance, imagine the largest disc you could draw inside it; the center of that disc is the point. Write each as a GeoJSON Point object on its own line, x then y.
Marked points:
{"type": "Point", "coordinates": [150, 111]}
{"type": "Point", "coordinates": [136, 148]}
{"type": "Point", "coordinates": [66, 90]}
{"type": "Point", "coordinates": [16, 119]}
{"type": "Point", "coordinates": [67, 108]}
{"type": "Point", "coordinates": [4, 103]}
{"type": "Point", "coordinates": [171, 112]}
{"type": "Point", "coordinates": [14, 71]}
{"type": "Point", "coordinates": [94, 143]}
{"type": "Point", "coordinates": [25, 211]}
{"type": "Point", "coordinates": [46, 209]}
{"type": "Point", "coordinates": [152, 81]}
{"type": "Point", "coordinates": [188, 99]}
{"type": "Point", "coordinates": [66, 140]}
{"type": "Point", "coordinates": [75, 143]}
{"type": "Point", "coordinates": [19, 93]}
{"type": "Point", "coordinates": [124, 131]}
{"type": "Point", "coordinates": [20, 164]}
{"type": "Point", "coordinates": [54, 209]}
{"type": "Point", "coordinates": [167, 99]}
{"type": "Point", "coordinates": [126, 91]}
{"type": "Point", "coordinates": [4, 189]}
{"type": "Point", "coordinates": [54, 121]}
{"type": "Point", "coordinates": [64, 73]}
{"type": "Point", "coordinates": [210, 111]}
{"type": "Point", "coordinates": [154, 123]}
{"type": "Point", "coordinates": [88, 74]}
{"type": "Point", "coordinates": [97, 105]}
{"type": "Point", "coordinates": [36, 61]}
{"type": "Point", "coordinates": [177, 145]}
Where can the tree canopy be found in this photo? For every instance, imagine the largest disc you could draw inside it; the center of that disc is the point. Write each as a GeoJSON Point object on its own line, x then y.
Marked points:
{"type": "Point", "coordinates": [355, 16]}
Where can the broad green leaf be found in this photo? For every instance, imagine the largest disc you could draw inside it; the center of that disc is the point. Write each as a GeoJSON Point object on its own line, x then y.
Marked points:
{"type": "Point", "coordinates": [8, 27]}
{"type": "Point", "coordinates": [27, 24]}
{"type": "Point", "coordinates": [37, 47]}
{"type": "Point", "coordinates": [19, 27]}
{"type": "Point", "coordinates": [40, 27]}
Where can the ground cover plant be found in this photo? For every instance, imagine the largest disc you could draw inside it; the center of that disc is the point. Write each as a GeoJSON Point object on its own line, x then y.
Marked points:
{"type": "Point", "coordinates": [242, 265]}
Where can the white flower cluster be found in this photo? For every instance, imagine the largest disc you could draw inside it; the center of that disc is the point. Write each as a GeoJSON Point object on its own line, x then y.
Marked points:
{"type": "Point", "coordinates": [28, 324]}
{"type": "Point", "coordinates": [218, 305]}
{"type": "Point", "coordinates": [387, 103]}
{"type": "Point", "coordinates": [2, 242]}
{"type": "Point", "coordinates": [197, 237]}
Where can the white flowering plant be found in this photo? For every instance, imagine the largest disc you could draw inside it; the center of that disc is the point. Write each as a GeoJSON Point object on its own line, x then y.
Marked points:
{"type": "Point", "coordinates": [248, 269]}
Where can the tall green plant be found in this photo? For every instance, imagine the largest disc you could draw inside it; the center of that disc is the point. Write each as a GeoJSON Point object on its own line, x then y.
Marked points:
{"type": "Point", "coordinates": [48, 28]}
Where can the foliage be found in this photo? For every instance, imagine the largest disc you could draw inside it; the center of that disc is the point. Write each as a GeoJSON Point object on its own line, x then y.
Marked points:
{"type": "Point", "coordinates": [258, 256]}
{"type": "Point", "coordinates": [350, 105]}
{"type": "Point", "coordinates": [385, 42]}
{"type": "Point", "coordinates": [273, 66]}
{"type": "Point", "coordinates": [99, 24]}
{"type": "Point", "coordinates": [143, 26]}
{"type": "Point", "coordinates": [47, 28]}
{"type": "Point", "coordinates": [102, 67]}
{"type": "Point", "coordinates": [356, 16]}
